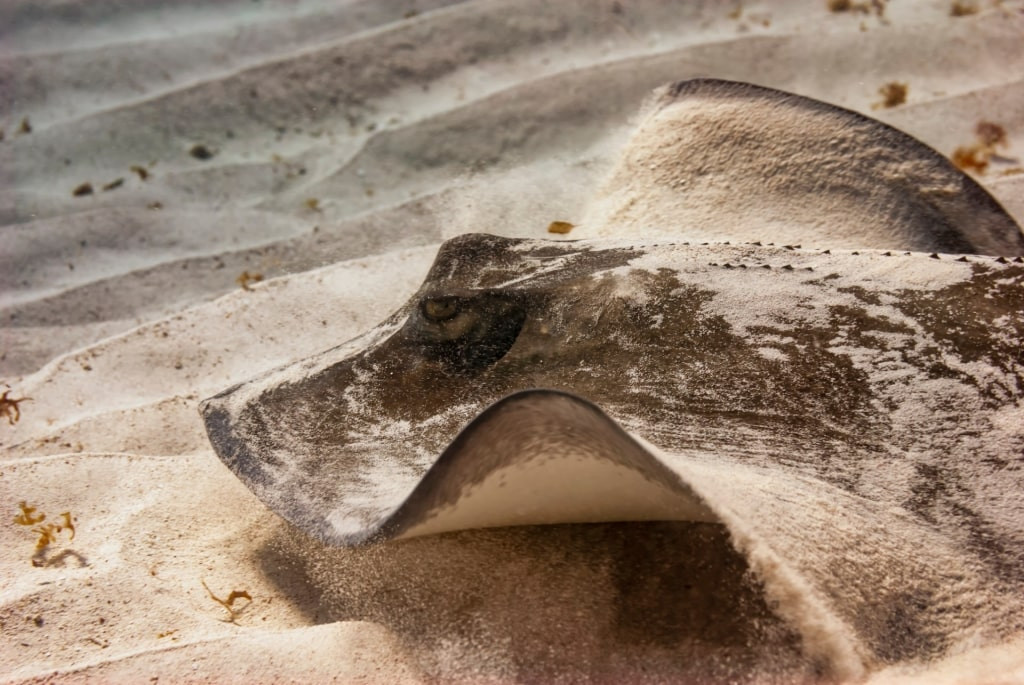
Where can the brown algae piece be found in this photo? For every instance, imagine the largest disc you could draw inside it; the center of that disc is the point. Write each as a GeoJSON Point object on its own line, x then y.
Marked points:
{"type": "Point", "coordinates": [28, 516]}
{"type": "Point", "coordinates": [82, 190]}
{"type": "Point", "coordinates": [848, 6]}
{"type": "Point", "coordinates": [47, 532]}
{"type": "Point", "coordinates": [229, 602]}
{"type": "Point", "coordinates": [976, 156]}
{"type": "Point", "coordinates": [962, 9]}
{"type": "Point", "coordinates": [246, 278]}
{"type": "Point", "coordinates": [990, 133]}
{"type": "Point", "coordinates": [69, 524]}
{"type": "Point", "coordinates": [9, 408]}
{"type": "Point", "coordinates": [893, 94]}
{"type": "Point", "coordinates": [971, 158]}
{"type": "Point", "coordinates": [201, 152]}
{"type": "Point", "coordinates": [876, 7]}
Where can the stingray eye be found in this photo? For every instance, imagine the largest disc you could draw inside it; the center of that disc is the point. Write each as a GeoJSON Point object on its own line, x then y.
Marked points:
{"type": "Point", "coordinates": [469, 331]}
{"type": "Point", "coordinates": [439, 309]}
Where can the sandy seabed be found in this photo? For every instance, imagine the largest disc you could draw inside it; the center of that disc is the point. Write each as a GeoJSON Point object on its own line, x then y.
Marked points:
{"type": "Point", "coordinates": [195, 192]}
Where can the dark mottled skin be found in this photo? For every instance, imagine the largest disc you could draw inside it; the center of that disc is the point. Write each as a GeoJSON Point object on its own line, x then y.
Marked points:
{"type": "Point", "coordinates": [661, 361]}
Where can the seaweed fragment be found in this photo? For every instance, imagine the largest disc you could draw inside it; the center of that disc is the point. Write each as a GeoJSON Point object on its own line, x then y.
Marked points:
{"type": "Point", "coordinates": [229, 602]}
{"type": "Point", "coordinates": [976, 156]}
{"type": "Point", "coordinates": [27, 516]}
{"type": "Point", "coordinates": [9, 408]}
{"type": "Point", "coordinates": [893, 94]}
{"type": "Point", "coordinates": [247, 278]}
{"type": "Point", "coordinates": [962, 9]}
{"type": "Point", "coordinates": [201, 152]}
{"type": "Point", "coordinates": [48, 533]}
{"type": "Point", "coordinates": [863, 7]}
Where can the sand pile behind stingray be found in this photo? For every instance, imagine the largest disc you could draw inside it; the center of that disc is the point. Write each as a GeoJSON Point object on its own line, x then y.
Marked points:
{"type": "Point", "coordinates": [712, 159]}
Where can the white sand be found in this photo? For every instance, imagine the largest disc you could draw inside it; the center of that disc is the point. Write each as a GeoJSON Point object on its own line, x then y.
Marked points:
{"type": "Point", "coordinates": [479, 116]}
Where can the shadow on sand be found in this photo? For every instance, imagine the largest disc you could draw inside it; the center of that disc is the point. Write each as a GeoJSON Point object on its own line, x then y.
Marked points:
{"type": "Point", "coordinates": [636, 602]}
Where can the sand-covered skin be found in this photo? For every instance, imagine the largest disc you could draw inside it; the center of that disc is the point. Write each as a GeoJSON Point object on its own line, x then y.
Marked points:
{"type": "Point", "coordinates": [827, 408]}
{"type": "Point", "coordinates": [476, 116]}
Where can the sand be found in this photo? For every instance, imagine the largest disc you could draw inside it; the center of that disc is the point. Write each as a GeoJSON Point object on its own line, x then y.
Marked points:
{"type": "Point", "coordinates": [327, 148]}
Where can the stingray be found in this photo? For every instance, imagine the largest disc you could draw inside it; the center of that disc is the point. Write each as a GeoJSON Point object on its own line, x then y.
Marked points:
{"type": "Point", "coordinates": [853, 418]}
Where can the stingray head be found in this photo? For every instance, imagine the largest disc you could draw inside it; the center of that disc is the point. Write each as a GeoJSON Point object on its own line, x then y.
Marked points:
{"type": "Point", "coordinates": [338, 443]}
{"type": "Point", "coordinates": [344, 445]}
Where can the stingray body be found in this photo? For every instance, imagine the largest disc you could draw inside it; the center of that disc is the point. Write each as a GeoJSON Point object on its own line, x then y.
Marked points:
{"type": "Point", "coordinates": [854, 419]}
